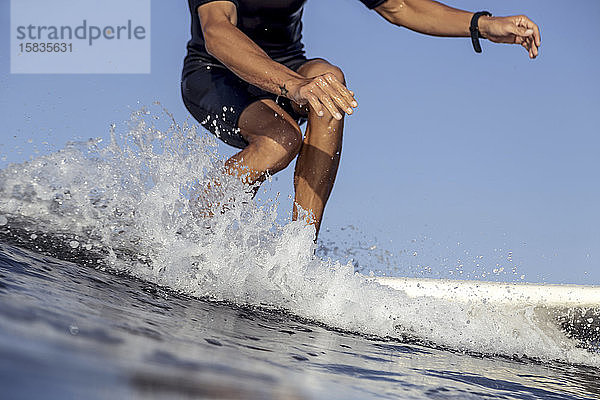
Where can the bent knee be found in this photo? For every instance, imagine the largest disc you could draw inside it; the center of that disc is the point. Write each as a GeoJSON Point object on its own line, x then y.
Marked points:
{"type": "Point", "coordinates": [291, 140]}
{"type": "Point", "coordinates": [337, 73]}
{"type": "Point", "coordinates": [322, 67]}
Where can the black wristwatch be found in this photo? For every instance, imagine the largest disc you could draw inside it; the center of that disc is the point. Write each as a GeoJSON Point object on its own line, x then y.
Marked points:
{"type": "Point", "coordinates": [474, 28]}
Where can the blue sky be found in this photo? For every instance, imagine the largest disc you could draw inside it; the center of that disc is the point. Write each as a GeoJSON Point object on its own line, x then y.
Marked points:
{"type": "Point", "coordinates": [452, 155]}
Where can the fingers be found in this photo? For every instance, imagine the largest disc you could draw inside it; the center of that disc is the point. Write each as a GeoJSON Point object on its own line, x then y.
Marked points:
{"type": "Point", "coordinates": [327, 92]}
{"type": "Point", "coordinates": [530, 35]}
{"type": "Point", "coordinates": [314, 103]}
{"type": "Point", "coordinates": [325, 99]}
{"type": "Point", "coordinates": [529, 24]}
{"type": "Point", "coordinates": [533, 49]}
{"type": "Point", "coordinates": [348, 95]}
{"type": "Point", "coordinates": [330, 98]}
{"type": "Point", "coordinates": [528, 45]}
{"type": "Point", "coordinates": [536, 39]}
{"type": "Point", "coordinates": [335, 95]}
{"type": "Point", "coordinates": [337, 92]}
{"type": "Point", "coordinates": [531, 46]}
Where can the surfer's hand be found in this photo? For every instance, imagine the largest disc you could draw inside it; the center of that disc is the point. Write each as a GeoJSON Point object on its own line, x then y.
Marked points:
{"type": "Point", "coordinates": [324, 92]}
{"type": "Point", "coordinates": [516, 29]}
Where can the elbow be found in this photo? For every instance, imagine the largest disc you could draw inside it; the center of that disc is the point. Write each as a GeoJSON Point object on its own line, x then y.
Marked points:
{"type": "Point", "coordinates": [210, 47]}
{"type": "Point", "coordinates": [212, 39]}
{"type": "Point", "coordinates": [396, 21]}
{"type": "Point", "coordinates": [393, 11]}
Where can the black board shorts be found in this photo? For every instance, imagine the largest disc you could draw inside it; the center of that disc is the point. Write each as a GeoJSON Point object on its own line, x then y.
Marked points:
{"type": "Point", "coordinates": [216, 97]}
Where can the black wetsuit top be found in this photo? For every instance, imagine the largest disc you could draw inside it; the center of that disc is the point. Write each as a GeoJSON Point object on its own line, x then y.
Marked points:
{"type": "Point", "coordinates": [275, 25]}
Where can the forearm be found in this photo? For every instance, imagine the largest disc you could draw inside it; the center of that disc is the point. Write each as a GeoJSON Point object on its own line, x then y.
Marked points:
{"type": "Point", "coordinates": [427, 16]}
{"type": "Point", "coordinates": [247, 60]}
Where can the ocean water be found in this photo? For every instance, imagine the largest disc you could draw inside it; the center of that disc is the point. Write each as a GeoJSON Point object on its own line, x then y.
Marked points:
{"type": "Point", "coordinates": [136, 268]}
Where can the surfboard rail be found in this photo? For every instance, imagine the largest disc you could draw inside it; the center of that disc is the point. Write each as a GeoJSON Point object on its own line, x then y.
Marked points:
{"type": "Point", "coordinates": [551, 295]}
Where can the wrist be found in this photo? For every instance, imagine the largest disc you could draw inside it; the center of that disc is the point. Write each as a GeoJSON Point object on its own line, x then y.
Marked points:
{"type": "Point", "coordinates": [475, 29]}
{"type": "Point", "coordinates": [290, 86]}
{"type": "Point", "coordinates": [484, 26]}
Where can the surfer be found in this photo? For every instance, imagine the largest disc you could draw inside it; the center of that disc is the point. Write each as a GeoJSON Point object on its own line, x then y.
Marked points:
{"type": "Point", "coordinates": [246, 79]}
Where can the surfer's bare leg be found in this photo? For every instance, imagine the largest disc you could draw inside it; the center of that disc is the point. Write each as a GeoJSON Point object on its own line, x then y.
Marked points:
{"type": "Point", "coordinates": [319, 157]}
{"type": "Point", "coordinates": [274, 141]}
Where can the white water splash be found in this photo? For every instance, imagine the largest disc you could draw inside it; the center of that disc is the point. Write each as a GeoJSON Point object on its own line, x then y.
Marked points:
{"type": "Point", "coordinates": [133, 194]}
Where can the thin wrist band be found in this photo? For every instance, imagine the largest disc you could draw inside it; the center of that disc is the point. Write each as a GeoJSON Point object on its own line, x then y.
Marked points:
{"type": "Point", "coordinates": [474, 28]}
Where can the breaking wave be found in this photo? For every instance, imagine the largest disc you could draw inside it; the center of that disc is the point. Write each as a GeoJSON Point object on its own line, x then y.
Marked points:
{"type": "Point", "coordinates": [155, 203]}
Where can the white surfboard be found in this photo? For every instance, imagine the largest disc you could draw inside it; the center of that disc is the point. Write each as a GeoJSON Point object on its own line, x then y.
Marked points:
{"type": "Point", "coordinates": [575, 309]}
{"type": "Point", "coordinates": [549, 295]}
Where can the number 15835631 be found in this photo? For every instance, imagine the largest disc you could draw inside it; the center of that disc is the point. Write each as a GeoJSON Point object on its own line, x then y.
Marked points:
{"type": "Point", "coordinates": [46, 47]}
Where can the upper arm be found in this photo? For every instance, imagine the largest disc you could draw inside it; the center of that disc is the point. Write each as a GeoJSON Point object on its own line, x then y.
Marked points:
{"type": "Point", "coordinates": [216, 18]}
{"type": "Point", "coordinates": [214, 13]}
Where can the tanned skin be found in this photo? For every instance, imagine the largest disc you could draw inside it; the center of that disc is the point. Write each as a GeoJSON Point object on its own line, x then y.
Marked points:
{"type": "Point", "coordinates": [318, 90]}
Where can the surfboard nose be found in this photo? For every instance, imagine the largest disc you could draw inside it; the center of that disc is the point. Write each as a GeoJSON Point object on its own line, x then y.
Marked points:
{"type": "Point", "coordinates": [569, 310]}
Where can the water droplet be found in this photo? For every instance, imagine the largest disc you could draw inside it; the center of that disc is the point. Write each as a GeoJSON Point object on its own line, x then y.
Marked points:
{"type": "Point", "coordinates": [3, 220]}
{"type": "Point", "coordinates": [73, 329]}
{"type": "Point", "coordinates": [74, 244]}
{"type": "Point", "coordinates": [33, 236]}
